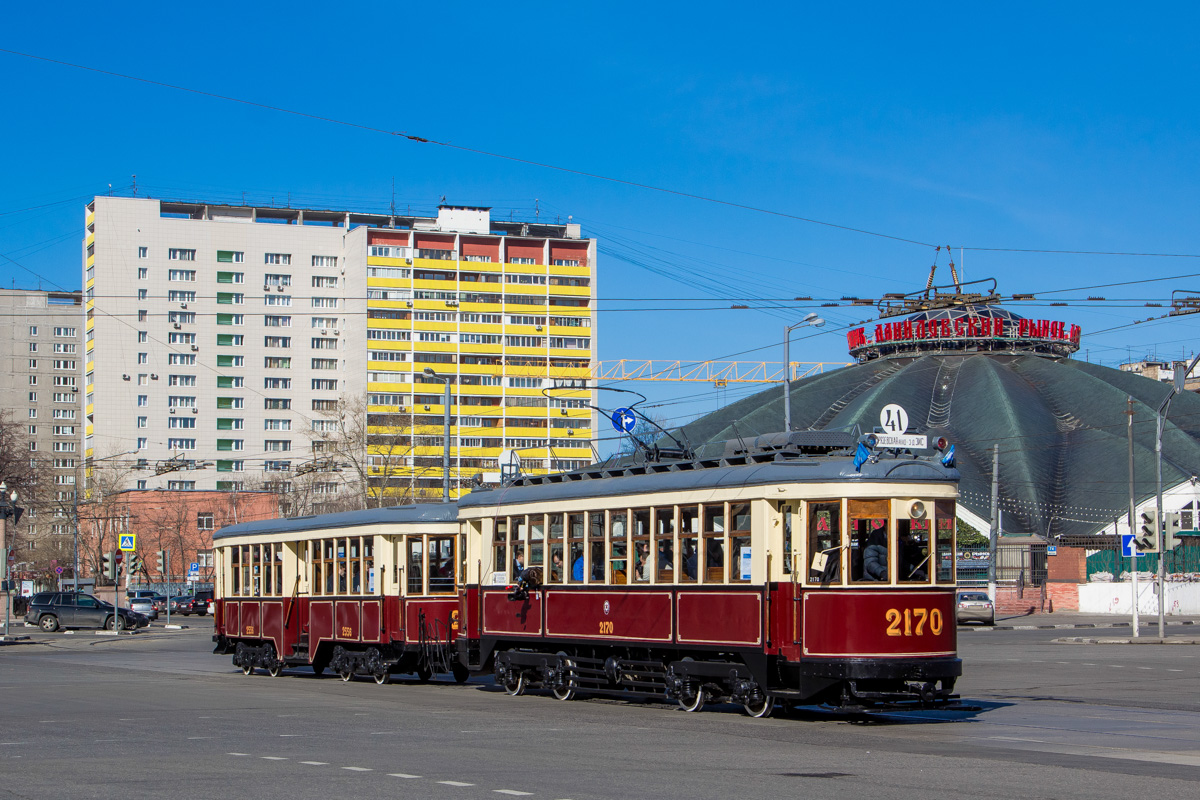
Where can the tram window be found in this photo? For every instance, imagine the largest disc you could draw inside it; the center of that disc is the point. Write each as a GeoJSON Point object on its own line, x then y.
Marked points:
{"type": "Point", "coordinates": [415, 568]}
{"type": "Point", "coordinates": [368, 551]}
{"type": "Point", "coordinates": [247, 578]}
{"type": "Point", "coordinates": [664, 543]}
{"type": "Point", "coordinates": [825, 542]}
{"type": "Point", "coordinates": [912, 550]}
{"type": "Point", "coordinates": [618, 530]}
{"type": "Point", "coordinates": [267, 559]}
{"type": "Point", "coordinates": [537, 540]}
{"type": "Point", "coordinates": [869, 555]}
{"type": "Point", "coordinates": [575, 547]}
{"type": "Point", "coordinates": [595, 547]}
{"type": "Point", "coordinates": [641, 545]}
{"type": "Point", "coordinates": [328, 547]}
{"type": "Point", "coordinates": [354, 554]}
{"type": "Point", "coordinates": [520, 542]}
{"type": "Point", "coordinates": [689, 532]}
{"type": "Point", "coordinates": [556, 548]}
{"type": "Point", "coordinates": [790, 518]}
{"type": "Point", "coordinates": [714, 543]}
{"type": "Point", "coordinates": [947, 524]}
{"type": "Point", "coordinates": [235, 570]}
{"type": "Point", "coordinates": [341, 566]}
{"type": "Point", "coordinates": [500, 547]}
{"type": "Point", "coordinates": [739, 543]}
{"type": "Point", "coordinates": [441, 564]}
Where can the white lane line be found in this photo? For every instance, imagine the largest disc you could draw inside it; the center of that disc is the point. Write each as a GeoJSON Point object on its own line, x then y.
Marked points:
{"type": "Point", "coordinates": [205, 717]}
{"type": "Point", "coordinates": [14, 742]}
{"type": "Point", "coordinates": [1145, 667]}
{"type": "Point", "coordinates": [359, 769]}
{"type": "Point", "coordinates": [512, 792]}
{"type": "Point", "coordinates": [1174, 670]}
{"type": "Point", "coordinates": [402, 775]}
{"type": "Point", "coordinates": [237, 754]}
{"type": "Point", "coordinates": [200, 737]}
{"type": "Point", "coordinates": [382, 733]}
{"type": "Point", "coordinates": [1117, 666]}
{"type": "Point", "coordinates": [455, 783]}
{"type": "Point", "coordinates": [316, 763]}
{"type": "Point", "coordinates": [273, 758]}
{"type": "Point", "coordinates": [286, 735]}
{"type": "Point", "coordinates": [296, 715]}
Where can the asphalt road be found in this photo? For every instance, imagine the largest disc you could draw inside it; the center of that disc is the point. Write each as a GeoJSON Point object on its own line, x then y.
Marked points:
{"type": "Point", "coordinates": [156, 715]}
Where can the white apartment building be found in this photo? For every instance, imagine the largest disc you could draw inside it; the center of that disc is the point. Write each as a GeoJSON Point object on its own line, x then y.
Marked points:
{"type": "Point", "coordinates": [221, 338]}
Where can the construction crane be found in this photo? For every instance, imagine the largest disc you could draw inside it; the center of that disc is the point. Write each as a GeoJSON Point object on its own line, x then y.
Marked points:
{"type": "Point", "coordinates": [719, 373]}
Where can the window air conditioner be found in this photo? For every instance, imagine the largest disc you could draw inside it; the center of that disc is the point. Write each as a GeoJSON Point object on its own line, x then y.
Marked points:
{"type": "Point", "coordinates": [153, 377]}
{"type": "Point", "coordinates": [171, 411]}
{"type": "Point", "coordinates": [178, 326]}
{"type": "Point", "coordinates": [183, 305]}
{"type": "Point", "coordinates": [266, 287]}
{"type": "Point", "coordinates": [124, 377]}
{"type": "Point", "coordinates": [195, 410]}
{"type": "Point", "coordinates": [408, 261]}
{"type": "Point", "coordinates": [539, 327]}
{"type": "Point", "coordinates": [408, 303]}
{"type": "Point", "coordinates": [279, 288]}
{"type": "Point", "coordinates": [323, 332]}
{"type": "Point", "coordinates": [335, 333]}
{"type": "Point", "coordinates": [195, 348]}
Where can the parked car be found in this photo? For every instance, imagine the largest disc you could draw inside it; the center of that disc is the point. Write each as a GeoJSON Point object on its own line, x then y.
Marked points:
{"type": "Point", "coordinates": [212, 605]}
{"type": "Point", "coordinates": [144, 605]}
{"type": "Point", "coordinates": [975, 607]}
{"type": "Point", "coordinates": [183, 605]}
{"type": "Point", "coordinates": [53, 610]}
{"type": "Point", "coordinates": [204, 598]}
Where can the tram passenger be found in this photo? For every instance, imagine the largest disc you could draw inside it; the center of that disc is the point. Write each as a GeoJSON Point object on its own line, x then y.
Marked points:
{"type": "Point", "coordinates": [875, 556]}
{"type": "Point", "coordinates": [689, 559]}
{"type": "Point", "coordinates": [577, 568]}
{"type": "Point", "coordinates": [518, 562]}
{"type": "Point", "coordinates": [556, 566]}
{"type": "Point", "coordinates": [639, 562]}
{"type": "Point", "coordinates": [341, 579]}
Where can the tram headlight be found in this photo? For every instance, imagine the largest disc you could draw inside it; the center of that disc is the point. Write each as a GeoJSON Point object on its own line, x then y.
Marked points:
{"type": "Point", "coordinates": [917, 510]}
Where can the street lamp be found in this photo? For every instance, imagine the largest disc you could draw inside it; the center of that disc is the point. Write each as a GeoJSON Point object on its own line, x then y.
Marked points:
{"type": "Point", "coordinates": [446, 439]}
{"type": "Point", "coordinates": [8, 509]}
{"type": "Point", "coordinates": [811, 320]}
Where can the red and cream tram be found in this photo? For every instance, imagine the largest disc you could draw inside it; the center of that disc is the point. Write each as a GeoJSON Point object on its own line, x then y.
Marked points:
{"type": "Point", "coordinates": [787, 571]}
{"type": "Point", "coordinates": [370, 592]}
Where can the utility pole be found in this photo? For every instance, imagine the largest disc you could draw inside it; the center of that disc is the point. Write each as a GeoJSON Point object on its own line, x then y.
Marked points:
{"type": "Point", "coordinates": [994, 533]}
{"type": "Point", "coordinates": [1132, 503]}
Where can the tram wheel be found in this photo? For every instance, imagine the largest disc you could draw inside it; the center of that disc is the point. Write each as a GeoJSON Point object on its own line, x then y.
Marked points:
{"type": "Point", "coordinates": [567, 692]}
{"type": "Point", "coordinates": [276, 669]}
{"type": "Point", "coordinates": [695, 701]}
{"type": "Point", "coordinates": [461, 673]}
{"type": "Point", "coordinates": [760, 710]}
{"type": "Point", "coordinates": [346, 674]}
{"type": "Point", "coordinates": [382, 677]}
{"type": "Point", "coordinates": [515, 686]}
{"type": "Point", "coordinates": [247, 668]}
{"type": "Point", "coordinates": [424, 673]}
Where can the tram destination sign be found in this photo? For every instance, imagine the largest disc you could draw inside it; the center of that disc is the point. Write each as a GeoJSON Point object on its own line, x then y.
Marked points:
{"type": "Point", "coordinates": [906, 441]}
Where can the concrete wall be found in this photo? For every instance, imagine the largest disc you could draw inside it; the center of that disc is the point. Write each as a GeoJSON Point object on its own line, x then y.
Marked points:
{"type": "Point", "coordinates": [1117, 598]}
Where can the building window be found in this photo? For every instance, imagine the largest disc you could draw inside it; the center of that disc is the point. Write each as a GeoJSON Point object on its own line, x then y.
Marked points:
{"type": "Point", "coordinates": [181, 275]}
{"type": "Point", "coordinates": [277, 362]}
{"type": "Point", "coordinates": [324, 363]}
{"type": "Point", "coordinates": [230, 298]}
{"type": "Point", "coordinates": [231, 361]}
{"type": "Point", "coordinates": [324, 302]}
{"type": "Point", "coordinates": [33, 397]}
{"type": "Point", "coordinates": [181, 422]}
{"type": "Point", "coordinates": [181, 486]}
{"type": "Point", "coordinates": [143, 358]}
{"type": "Point", "coordinates": [230, 257]}
{"type": "Point", "coordinates": [277, 424]}
{"type": "Point", "coordinates": [181, 254]}
{"type": "Point", "coordinates": [204, 521]}
{"type": "Point", "coordinates": [277, 341]}
{"type": "Point", "coordinates": [141, 484]}
{"type": "Point", "coordinates": [324, 384]}
{"type": "Point", "coordinates": [324, 282]}
{"type": "Point", "coordinates": [143, 273]}
{"type": "Point", "coordinates": [329, 344]}
{"type": "Point", "coordinates": [277, 445]}
{"type": "Point", "coordinates": [143, 337]}
{"type": "Point", "coordinates": [231, 319]}
{"type": "Point", "coordinates": [230, 381]}
{"type": "Point", "coordinates": [187, 359]}
{"type": "Point", "coordinates": [180, 296]}
{"type": "Point", "coordinates": [143, 400]}
{"type": "Point", "coordinates": [33, 363]}
{"type": "Point", "coordinates": [33, 430]}
{"type": "Point", "coordinates": [143, 252]}
{"type": "Point", "coordinates": [277, 383]}
{"type": "Point", "coordinates": [142, 422]}
{"type": "Point", "coordinates": [142, 316]}
{"type": "Point", "coordinates": [181, 444]}
{"type": "Point", "coordinates": [231, 402]}
{"type": "Point", "coordinates": [277, 258]}
{"type": "Point", "coordinates": [230, 444]}
{"type": "Point", "coordinates": [231, 277]}
{"type": "Point", "coordinates": [277, 403]}
{"type": "Point", "coordinates": [277, 321]}
{"type": "Point", "coordinates": [143, 294]}
{"type": "Point", "coordinates": [181, 380]}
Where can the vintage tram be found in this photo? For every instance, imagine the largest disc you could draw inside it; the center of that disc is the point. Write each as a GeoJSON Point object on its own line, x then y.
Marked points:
{"type": "Point", "coordinates": [803, 568]}
{"type": "Point", "coordinates": [371, 592]}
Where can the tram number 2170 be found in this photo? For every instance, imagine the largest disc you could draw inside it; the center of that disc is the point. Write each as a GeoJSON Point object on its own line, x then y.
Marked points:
{"type": "Point", "coordinates": [913, 621]}
{"type": "Point", "coordinates": [606, 627]}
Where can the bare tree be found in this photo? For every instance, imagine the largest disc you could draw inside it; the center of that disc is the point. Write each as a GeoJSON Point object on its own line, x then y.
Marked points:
{"type": "Point", "coordinates": [104, 513]}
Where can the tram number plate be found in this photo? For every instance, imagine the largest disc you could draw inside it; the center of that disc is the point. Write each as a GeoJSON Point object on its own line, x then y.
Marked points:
{"type": "Point", "coordinates": [347, 633]}
{"type": "Point", "coordinates": [913, 621]}
{"type": "Point", "coordinates": [606, 627]}
{"type": "Point", "coordinates": [249, 630]}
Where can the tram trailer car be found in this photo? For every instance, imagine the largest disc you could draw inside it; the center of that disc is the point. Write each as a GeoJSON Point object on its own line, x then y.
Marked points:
{"type": "Point", "coordinates": [787, 571]}
{"type": "Point", "coordinates": [371, 592]}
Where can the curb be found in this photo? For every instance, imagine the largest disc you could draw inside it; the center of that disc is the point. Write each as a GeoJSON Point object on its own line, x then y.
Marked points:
{"type": "Point", "coordinates": [1139, 640]}
{"type": "Point", "coordinates": [963, 628]}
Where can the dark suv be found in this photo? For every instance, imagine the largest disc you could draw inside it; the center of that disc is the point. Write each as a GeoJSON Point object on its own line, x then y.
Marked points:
{"type": "Point", "coordinates": [53, 610]}
{"type": "Point", "coordinates": [203, 596]}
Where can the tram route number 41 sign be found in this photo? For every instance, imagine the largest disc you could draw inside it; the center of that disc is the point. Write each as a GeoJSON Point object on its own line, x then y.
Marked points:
{"type": "Point", "coordinates": [893, 422]}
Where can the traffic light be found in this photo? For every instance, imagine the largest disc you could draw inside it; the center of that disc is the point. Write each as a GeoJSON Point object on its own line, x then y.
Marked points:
{"type": "Point", "coordinates": [110, 565]}
{"type": "Point", "coordinates": [1172, 525]}
{"type": "Point", "coordinates": [162, 561]}
{"type": "Point", "coordinates": [135, 564]}
{"type": "Point", "coordinates": [1147, 535]}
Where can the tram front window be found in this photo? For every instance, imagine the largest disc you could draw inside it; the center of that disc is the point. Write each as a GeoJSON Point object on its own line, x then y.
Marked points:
{"type": "Point", "coordinates": [869, 552]}
{"type": "Point", "coordinates": [825, 542]}
{"type": "Point", "coordinates": [912, 546]}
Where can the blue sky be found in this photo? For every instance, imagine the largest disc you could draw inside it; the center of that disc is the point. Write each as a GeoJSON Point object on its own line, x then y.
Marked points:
{"type": "Point", "coordinates": [1070, 128]}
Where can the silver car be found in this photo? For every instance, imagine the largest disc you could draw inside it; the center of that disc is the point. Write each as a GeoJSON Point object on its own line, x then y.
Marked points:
{"type": "Point", "coordinates": [143, 605]}
{"type": "Point", "coordinates": [975, 607]}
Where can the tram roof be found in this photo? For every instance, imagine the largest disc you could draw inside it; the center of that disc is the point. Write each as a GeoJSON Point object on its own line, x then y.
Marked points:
{"type": "Point", "coordinates": [421, 513]}
{"type": "Point", "coordinates": [682, 476]}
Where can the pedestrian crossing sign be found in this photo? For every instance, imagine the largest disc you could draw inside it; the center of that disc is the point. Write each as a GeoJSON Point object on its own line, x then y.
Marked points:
{"type": "Point", "coordinates": [128, 542]}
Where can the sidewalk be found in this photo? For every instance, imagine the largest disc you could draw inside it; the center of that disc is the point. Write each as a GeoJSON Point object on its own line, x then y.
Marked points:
{"type": "Point", "coordinates": [1075, 619]}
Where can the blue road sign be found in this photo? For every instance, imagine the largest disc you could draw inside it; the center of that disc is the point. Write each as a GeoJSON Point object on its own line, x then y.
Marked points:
{"type": "Point", "coordinates": [1127, 548]}
{"type": "Point", "coordinates": [1051, 549]}
{"type": "Point", "coordinates": [127, 542]}
{"type": "Point", "coordinates": [194, 567]}
{"type": "Point", "coordinates": [623, 419]}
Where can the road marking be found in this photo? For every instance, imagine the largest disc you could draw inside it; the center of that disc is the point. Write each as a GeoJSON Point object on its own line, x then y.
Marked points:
{"type": "Point", "coordinates": [1117, 666]}
{"type": "Point", "coordinates": [1016, 739]}
{"type": "Point", "coordinates": [285, 735]}
{"type": "Point", "coordinates": [1145, 667]}
{"type": "Point", "coordinates": [200, 737]}
{"type": "Point", "coordinates": [287, 715]}
{"type": "Point", "coordinates": [14, 742]}
{"type": "Point", "coordinates": [402, 775]}
{"type": "Point", "coordinates": [382, 733]}
{"type": "Point", "coordinates": [455, 783]}
{"type": "Point", "coordinates": [273, 758]}
{"type": "Point", "coordinates": [512, 792]}
{"type": "Point", "coordinates": [316, 763]}
{"type": "Point", "coordinates": [359, 769]}
{"type": "Point", "coordinates": [237, 754]}
{"type": "Point", "coordinates": [1174, 670]}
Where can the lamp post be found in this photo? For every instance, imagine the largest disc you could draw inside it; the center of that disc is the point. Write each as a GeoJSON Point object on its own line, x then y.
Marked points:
{"type": "Point", "coordinates": [446, 436]}
{"type": "Point", "coordinates": [8, 508]}
{"type": "Point", "coordinates": [810, 320]}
